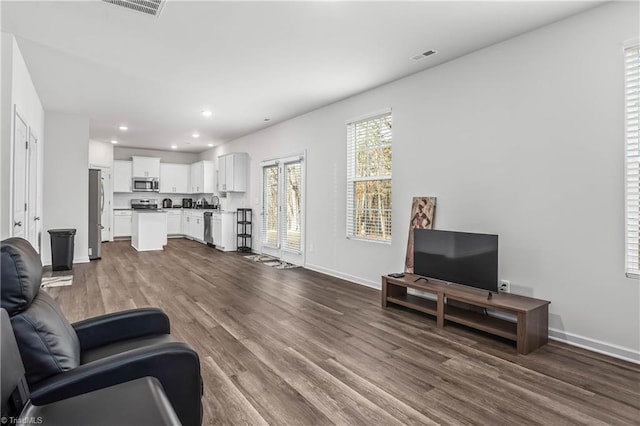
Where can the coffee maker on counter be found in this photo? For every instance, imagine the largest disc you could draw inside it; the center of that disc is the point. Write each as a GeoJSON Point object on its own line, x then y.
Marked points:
{"type": "Point", "coordinates": [187, 203]}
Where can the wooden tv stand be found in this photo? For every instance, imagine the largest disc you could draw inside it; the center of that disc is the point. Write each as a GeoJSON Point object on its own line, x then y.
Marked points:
{"type": "Point", "coordinates": [529, 332]}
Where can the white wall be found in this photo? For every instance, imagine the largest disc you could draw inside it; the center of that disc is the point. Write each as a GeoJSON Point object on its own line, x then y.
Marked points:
{"type": "Point", "coordinates": [523, 139]}
{"type": "Point", "coordinates": [17, 91]}
{"type": "Point", "coordinates": [100, 154]}
{"type": "Point", "coordinates": [6, 72]}
{"type": "Point", "coordinates": [122, 153]}
{"type": "Point", "coordinates": [66, 182]}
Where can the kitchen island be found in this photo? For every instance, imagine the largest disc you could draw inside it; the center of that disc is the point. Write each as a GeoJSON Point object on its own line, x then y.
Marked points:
{"type": "Point", "coordinates": [148, 229]}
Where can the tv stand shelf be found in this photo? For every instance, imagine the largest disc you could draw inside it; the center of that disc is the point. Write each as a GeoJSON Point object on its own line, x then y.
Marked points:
{"type": "Point", "coordinates": [530, 331]}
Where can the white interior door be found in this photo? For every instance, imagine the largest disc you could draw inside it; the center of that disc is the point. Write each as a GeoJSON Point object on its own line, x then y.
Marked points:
{"type": "Point", "coordinates": [34, 226]}
{"type": "Point", "coordinates": [283, 209]}
{"type": "Point", "coordinates": [19, 186]}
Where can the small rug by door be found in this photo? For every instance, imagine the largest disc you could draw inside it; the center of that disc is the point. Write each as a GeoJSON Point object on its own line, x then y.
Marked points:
{"type": "Point", "coordinates": [274, 262]}
{"type": "Point", "coordinates": [59, 281]}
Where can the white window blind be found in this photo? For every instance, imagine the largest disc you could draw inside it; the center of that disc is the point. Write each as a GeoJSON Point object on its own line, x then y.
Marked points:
{"type": "Point", "coordinates": [369, 153]}
{"type": "Point", "coordinates": [270, 214]}
{"type": "Point", "coordinates": [291, 212]}
{"type": "Point", "coordinates": [632, 156]}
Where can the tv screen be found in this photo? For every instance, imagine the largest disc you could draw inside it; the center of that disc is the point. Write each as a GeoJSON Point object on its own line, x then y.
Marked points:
{"type": "Point", "coordinates": [457, 257]}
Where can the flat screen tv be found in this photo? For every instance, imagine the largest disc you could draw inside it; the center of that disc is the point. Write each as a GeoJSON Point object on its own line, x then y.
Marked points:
{"type": "Point", "coordinates": [457, 257]}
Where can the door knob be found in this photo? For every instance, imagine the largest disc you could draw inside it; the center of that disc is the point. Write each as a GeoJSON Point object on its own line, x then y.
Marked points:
{"type": "Point", "coordinates": [19, 223]}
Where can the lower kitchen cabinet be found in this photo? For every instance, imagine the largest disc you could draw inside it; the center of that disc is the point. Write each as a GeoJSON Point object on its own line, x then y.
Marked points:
{"type": "Point", "coordinates": [122, 223]}
{"type": "Point", "coordinates": [186, 223]}
{"type": "Point", "coordinates": [190, 224]}
{"type": "Point", "coordinates": [197, 227]}
{"type": "Point", "coordinates": [193, 224]}
{"type": "Point", "coordinates": [223, 227]}
{"type": "Point", "coordinates": [174, 222]}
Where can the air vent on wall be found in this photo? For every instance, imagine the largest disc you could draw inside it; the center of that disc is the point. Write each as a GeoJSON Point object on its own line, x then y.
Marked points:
{"type": "Point", "coordinates": [424, 55]}
{"type": "Point", "coordinates": [148, 7]}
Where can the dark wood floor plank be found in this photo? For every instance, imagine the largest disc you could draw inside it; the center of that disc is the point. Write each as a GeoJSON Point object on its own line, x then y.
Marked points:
{"type": "Point", "coordinates": [296, 347]}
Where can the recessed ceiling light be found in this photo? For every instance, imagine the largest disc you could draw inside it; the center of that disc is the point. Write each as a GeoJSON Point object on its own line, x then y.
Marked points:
{"type": "Point", "coordinates": [195, 135]}
{"type": "Point", "coordinates": [209, 144]}
{"type": "Point", "coordinates": [174, 147]}
{"type": "Point", "coordinates": [113, 141]}
{"type": "Point", "coordinates": [123, 128]}
{"type": "Point", "coordinates": [206, 113]}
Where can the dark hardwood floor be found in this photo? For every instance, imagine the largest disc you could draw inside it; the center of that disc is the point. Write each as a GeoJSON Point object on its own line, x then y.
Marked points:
{"type": "Point", "coordinates": [300, 348]}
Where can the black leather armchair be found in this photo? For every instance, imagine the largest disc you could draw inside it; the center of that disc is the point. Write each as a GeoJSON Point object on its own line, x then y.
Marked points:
{"type": "Point", "coordinates": [63, 360]}
{"type": "Point", "coordinates": [140, 401]}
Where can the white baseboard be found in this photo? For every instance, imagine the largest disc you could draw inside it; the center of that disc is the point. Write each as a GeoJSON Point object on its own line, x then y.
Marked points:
{"type": "Point", "coordinates": [362, 281]}
{"type": "Point", "coordinates": [615, 351]}
{"type": "Point", "coordinates": [594, 345]}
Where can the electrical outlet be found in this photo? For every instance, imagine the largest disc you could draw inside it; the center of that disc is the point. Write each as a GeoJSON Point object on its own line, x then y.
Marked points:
{"type": "Point", "coordinates": [505, 286]}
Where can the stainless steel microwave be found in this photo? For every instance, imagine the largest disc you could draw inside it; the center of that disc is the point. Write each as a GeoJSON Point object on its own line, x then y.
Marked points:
{"type": "Point", "coordinates": [145, 185]}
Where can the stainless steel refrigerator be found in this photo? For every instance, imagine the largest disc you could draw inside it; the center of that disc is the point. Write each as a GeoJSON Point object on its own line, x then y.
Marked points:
{"type": "Point", "coordinates": [96, 206]}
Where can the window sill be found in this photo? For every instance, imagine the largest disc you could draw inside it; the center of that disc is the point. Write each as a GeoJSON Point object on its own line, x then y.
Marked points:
{"type": "Point", "coordinates": [632, 275]}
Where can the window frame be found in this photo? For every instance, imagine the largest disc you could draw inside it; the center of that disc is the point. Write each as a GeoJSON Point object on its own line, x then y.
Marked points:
{"type": "Point", "coordinates": [352, 179]}
{"type": "Point", "coordinates": [631, 144]}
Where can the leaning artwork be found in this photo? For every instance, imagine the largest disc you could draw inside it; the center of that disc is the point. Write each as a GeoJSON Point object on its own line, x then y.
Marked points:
{"type": "Point", "coordinates": [423, 211]}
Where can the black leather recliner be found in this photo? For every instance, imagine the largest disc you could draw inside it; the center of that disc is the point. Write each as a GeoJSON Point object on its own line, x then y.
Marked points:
{"type": "Point", "coordinates": [63, 360]}
{"type": "Point", "coordinates": [138, 402]}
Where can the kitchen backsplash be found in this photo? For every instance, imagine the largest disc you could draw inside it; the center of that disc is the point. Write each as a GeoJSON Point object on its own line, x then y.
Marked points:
{"type": "Point", "coordinates": [232, 201]}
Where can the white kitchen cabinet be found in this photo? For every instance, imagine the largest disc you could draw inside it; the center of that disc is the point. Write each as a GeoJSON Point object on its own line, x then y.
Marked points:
{"type": "Point", "coordinates": [216, 228]}
{"type": "Point", "coordinates": [148, 230]}
{"type": "Point", "coordinates": [122, 176]}
{"type": "Point", "coordinates": [202, 177]}
{"type": "Point", "coordinates": [224, 230]}
{"type": "Point", "coordinates": [174, 178]}
{"type": "Point", "coordinates": [193, 225]}
{"type": "Point", "coordinates": [146, 167]}
{"type": "Point", "coordinates": [232, 172]}
{"type": "Point", "coordinates": [174, 222]}
{"type": "Point", "coordinates": [186, 223]}
{"type": "Point", "coordinates": [197, 227]}
{"type": "Point", "coordinates": [122, 223]}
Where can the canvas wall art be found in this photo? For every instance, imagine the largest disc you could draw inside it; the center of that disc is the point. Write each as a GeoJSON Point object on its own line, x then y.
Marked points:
{"type": "Point", "coordinates": [423, 211]}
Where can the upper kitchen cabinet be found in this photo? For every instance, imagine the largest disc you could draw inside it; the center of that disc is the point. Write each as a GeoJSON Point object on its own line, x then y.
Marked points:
{"type": "Point", "coordinates": [174, 178]}
{"type": "Point", "coordinates": [202, 178]}
{"type": "Point", "coordinates": [122, 176]}
{"type": "Point", "coordinates": [146, 167]}
{"type": "Point", "coordinates": [232, 172]}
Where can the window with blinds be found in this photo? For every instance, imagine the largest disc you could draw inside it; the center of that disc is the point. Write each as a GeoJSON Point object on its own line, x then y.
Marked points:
{"type": "Point", "coordinates": [632, 169]}
{"type": "Point", "coordinates": [369, 148]}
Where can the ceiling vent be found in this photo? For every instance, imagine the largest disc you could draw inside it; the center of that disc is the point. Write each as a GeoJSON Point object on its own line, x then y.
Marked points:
{"type": "Point", "coordinates": [148, 7]}
{"type": "Point", "coordinates": [422, 55]}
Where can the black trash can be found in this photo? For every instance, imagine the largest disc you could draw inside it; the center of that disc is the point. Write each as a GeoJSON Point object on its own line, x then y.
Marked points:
{"type": "Point", "coordinates": [62, 242]}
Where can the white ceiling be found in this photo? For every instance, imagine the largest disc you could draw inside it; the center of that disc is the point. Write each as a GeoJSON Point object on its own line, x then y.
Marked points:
{"type": "Point", "coordinates": [246, 61]}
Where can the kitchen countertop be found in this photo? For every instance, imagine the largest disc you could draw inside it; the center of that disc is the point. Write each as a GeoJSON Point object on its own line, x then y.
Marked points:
{"type": "Point", "coordinates": [175, 209]}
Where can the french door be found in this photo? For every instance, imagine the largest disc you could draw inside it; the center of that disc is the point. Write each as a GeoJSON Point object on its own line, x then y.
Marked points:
{"type": "Point", "coordinates": [283, 208]}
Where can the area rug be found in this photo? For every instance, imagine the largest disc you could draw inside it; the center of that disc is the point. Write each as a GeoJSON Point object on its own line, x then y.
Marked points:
{"type": "Point", "coordinates": [274, 262]}
{"type": "Point", "coordinates": [60, 281]}
{"type": "Point", "coordinates": [262, 258]}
